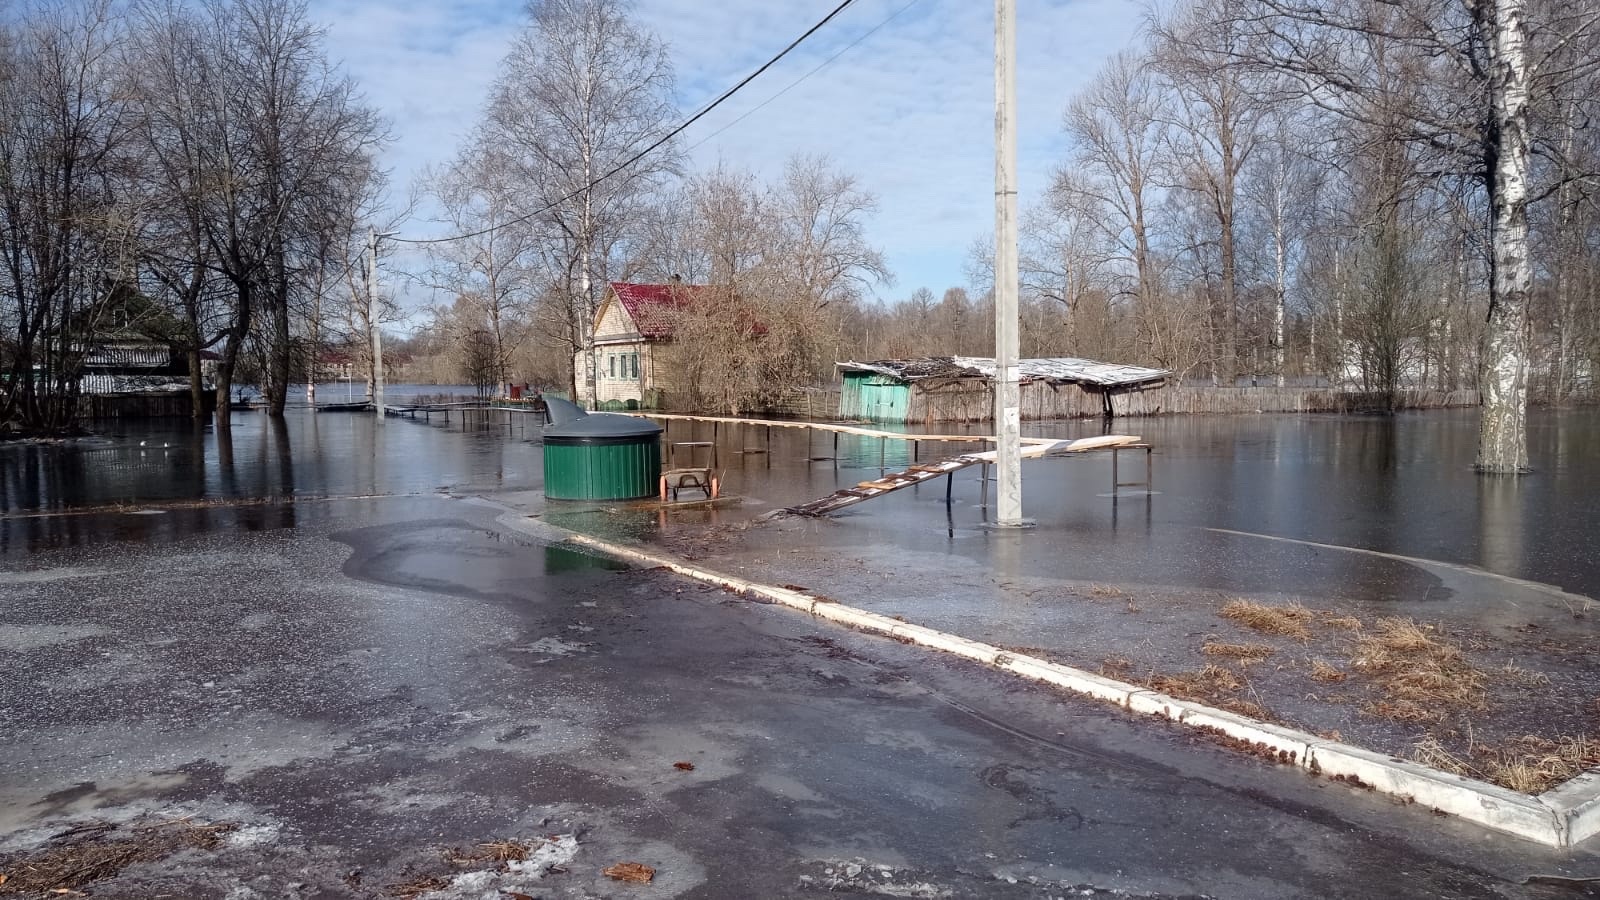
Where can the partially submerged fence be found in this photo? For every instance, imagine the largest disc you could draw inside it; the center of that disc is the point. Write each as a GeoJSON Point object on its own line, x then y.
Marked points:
{"type": "Point", "coordinates": [973, 401]}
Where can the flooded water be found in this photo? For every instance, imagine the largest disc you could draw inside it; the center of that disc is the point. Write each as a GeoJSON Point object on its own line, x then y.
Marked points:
{"type": "Point", "coordinates": [1231, 495]}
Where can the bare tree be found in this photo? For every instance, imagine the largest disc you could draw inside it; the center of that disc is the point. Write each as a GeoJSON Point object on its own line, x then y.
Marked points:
{"type": "Point", "coordinates": [1216, 114]}
{"type": "Point", "coordinates": [492, 265]}
{"type": "Point", "coordinates": [787, 265]}
{"type": "Point", "coordinates": [1116, 134]}
{"type": "Point", "coordinates": [66, 233]}
{"type": "Point", "coordinates": [582, 93]}
{"type": "Point", "coordinates": [1475, 71]}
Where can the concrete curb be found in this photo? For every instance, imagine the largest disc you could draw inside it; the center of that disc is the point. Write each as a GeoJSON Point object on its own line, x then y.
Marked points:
{"type": "Point", "coordinates": [1562, 817]}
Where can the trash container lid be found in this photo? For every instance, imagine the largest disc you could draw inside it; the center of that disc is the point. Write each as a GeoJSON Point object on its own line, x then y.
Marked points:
{"type": "Point", "coordinates": [572, 421]}
{"type": "Point", "coordinates": [604, 425]}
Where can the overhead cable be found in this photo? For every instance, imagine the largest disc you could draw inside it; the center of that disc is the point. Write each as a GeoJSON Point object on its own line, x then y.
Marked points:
{"type": "Point", "coordinates": [646, 151]}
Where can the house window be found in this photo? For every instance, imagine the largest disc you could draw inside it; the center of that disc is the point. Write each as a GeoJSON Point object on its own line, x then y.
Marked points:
{"type": "Point", "coordinates": [611, 360]}
{"type": "Point", "coordinates": [635, 357]}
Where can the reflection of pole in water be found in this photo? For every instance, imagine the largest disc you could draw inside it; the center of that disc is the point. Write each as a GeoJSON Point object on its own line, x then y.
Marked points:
{"type": "Point", "coordinates": [1500, 544]}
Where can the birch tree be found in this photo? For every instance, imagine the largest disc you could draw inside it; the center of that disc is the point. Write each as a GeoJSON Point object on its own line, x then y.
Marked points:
{"type": "Point", "coordinates": [1115, 131]}
{"type": "Point", "coordinates": [1477, 71]}
{"type": "Point", "coordinates": [583, 91]}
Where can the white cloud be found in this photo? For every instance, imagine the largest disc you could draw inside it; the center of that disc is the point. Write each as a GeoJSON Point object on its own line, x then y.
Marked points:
{"type": "Point", "coordinates": [909, 110]}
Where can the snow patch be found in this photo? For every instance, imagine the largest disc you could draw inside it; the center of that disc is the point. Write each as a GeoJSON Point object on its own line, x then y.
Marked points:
{"type": "Point", "coordinates": [863, 877]}
{"type": "Point", "coordinates": [516, 876]}
{"type": "Point", "coordinates": [251, 836]}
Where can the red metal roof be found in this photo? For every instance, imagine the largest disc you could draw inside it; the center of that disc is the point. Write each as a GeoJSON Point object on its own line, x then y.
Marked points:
{"type": "Point", "coordinates": [651, 306]}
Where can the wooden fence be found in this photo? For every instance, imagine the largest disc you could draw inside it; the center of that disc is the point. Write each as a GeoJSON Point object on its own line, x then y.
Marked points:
{"type": "Point", "coordinates": [165, 404]}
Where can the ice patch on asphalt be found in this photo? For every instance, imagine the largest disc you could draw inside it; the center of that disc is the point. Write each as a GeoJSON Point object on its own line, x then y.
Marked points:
{"type": "Point", "coordinates": [515, 876]}
{"type": "Point", "coordinates": [22, 638]}
{"type": "Point", "coordinates": [552, 647]}
{"type": "Point", "coordinates": [43, 576]}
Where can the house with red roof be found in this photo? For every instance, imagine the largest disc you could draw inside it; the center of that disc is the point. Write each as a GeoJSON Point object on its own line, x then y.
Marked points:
{"type": "Point", "coordinates": [634, 356]}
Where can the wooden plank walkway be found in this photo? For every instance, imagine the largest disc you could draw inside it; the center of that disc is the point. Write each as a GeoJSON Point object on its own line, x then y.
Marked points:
{"type": "Point", "coordinates": [1033, 448]}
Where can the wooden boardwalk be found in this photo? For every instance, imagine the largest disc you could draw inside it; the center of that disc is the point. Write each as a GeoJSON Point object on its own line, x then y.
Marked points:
{"type": "Point", "coordinates": [1033, 448]}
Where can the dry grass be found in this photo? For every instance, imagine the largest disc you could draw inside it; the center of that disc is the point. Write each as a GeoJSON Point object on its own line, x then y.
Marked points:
{"type": "Point", "coordinates": [1106, 592]}
{"type": "Point", "coordinates": [1213, 685]}
{"type": "Point", "coordinates": [1422, 674]}
{"type": "Point", "coordinates": [490, 852]}
{"type": "Point", "coordinates": [1346, 623]}
{"type": "Point", "coordinates": [1529, 764]}
{"type": "Point", "coordinates": [1244, 653]}
{"type": "Point", "coordinates": [1517, 673]}
{"type": "Point", "coordinates": [1115, 666]}
{"type": "Point", "coordinates": [416, 887]}
{"type": "Point", "coordinates": [1288, 621]}
{"type": "Point", "coordinates": [1322, 670]}
{"type": "Point", "coordinates": [82, 856]}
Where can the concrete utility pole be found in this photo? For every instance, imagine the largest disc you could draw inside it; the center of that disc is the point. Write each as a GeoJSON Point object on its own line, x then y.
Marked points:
{"type": "Point", "coordinates": [1007, 392]}
{"type": "Point", "coordinates": [372, 321]}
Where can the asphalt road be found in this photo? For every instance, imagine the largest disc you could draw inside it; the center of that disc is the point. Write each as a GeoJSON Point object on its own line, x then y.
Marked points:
{"type": "Point", "coordinates": [363, 684]}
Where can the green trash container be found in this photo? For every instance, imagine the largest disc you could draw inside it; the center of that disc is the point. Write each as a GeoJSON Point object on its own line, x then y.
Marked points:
{"type": "Point", "coordinates": [599, 456]}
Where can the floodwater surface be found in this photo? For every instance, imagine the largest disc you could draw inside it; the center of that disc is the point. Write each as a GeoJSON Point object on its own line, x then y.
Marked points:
{"type": "Point", "coordinates": [1373, 509]}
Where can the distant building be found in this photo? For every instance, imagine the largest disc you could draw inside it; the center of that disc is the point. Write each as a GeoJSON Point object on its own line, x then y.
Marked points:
{"type": "Point", "coordinates": [335, 364]}
{"type": "Point", "coordinates": [635, 361]}
{"type": "Point", "coordinates": [961, 388]}
{"type": "Point", "coordinates": [127, 363]}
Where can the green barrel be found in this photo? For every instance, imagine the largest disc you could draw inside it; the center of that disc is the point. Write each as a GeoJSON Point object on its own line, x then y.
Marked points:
{"type": "Point", "coordinates": [601, 456]}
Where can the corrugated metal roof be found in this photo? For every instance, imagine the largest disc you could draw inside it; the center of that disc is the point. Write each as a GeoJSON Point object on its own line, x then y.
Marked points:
{"type": "Point", "coordinates": [1058, 369]}
{"type": "Point", "coordinates": [651, 306]}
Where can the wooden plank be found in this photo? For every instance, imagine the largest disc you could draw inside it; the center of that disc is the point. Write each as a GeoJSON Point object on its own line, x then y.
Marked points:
{"type": "Point", "coordinates": [922, 472]}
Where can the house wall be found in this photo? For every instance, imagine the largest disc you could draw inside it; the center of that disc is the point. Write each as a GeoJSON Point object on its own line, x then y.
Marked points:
{"type": "Point", "coordinates": [659, 382]}
{"type": "Point", "coordinates": [617, 379]}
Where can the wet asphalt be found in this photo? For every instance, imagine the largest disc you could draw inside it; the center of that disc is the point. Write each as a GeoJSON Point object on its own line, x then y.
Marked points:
{"type": "Point", "coordinates": [362, 684]}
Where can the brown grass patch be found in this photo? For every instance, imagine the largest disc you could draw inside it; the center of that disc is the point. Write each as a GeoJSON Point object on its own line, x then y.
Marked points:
{"type": "Point", "coordinates": [1288, 621]}
{"type": "Point", "coordinates": [1529, 764]}
{"type": "Point", "coordinates": [1245, 653]}
{"type": "Point", "coordinates": [1346, 623]}
{"type": "Point", "coordinates": [1213, 685]}
{"type": "Point", "coordinates": [1422, 674]}
{"type": "Point", "coordinates": [1322, 670]}
{"type": "Point", "coordinates": [1516, 673]}
{"type": "Point", "coordinates": [417, 886]}
{"type": "Point", "coordinates": [489, 852]}
{"type": "Point", "coordinates": [84, 855]}
{"type": "Point", "coordinates": [1106, 591]}
{"type": "Point", "coordinates": [1115, 666]}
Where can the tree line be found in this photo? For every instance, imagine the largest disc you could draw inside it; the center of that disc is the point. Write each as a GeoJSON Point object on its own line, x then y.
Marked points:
{"type": "Point", "coordinates": [1387, 192]}
{"type": "Point", "coordinates": [1390, 193]}
{"type": "Point", "coordinates": [196, 172]}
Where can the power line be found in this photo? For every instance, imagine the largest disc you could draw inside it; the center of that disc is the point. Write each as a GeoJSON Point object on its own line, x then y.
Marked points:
{"type": "Point", "coordinates": [646, 151]}
{"type": "Point", "coordinates": [796, 83]}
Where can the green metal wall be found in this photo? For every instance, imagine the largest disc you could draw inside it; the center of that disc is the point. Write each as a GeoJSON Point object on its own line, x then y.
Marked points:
{"type": "Point", "coordinates": [602, 471]}
{"type": "Point", "coordinates": [876, 398]}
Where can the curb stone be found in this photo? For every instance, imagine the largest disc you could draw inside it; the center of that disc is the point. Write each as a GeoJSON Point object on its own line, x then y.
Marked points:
{"type": "Point", "coordinates": [1562, 817]}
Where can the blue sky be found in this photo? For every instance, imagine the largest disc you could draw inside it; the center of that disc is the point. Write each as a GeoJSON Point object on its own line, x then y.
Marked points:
{"type": "Point", "coordinates": [909, 110]}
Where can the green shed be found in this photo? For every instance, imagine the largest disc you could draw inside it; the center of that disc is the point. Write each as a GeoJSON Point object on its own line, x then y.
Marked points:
{"type": "Point", "coordinates": [599, 456]}
{"type": "Point", "coordinates": [875, 397]}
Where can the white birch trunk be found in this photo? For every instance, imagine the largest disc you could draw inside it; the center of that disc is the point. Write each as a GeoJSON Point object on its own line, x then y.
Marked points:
{"type": "Point", "coordinates": [1502, 429]}
{"type": "Point", "coordinates": [1280, 240]}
